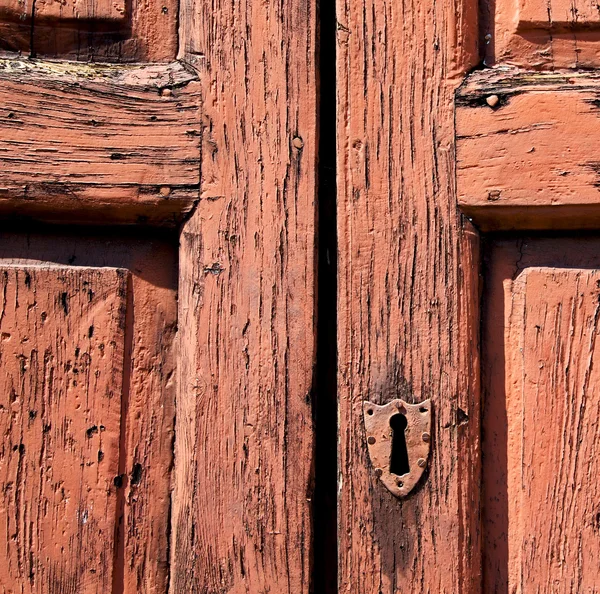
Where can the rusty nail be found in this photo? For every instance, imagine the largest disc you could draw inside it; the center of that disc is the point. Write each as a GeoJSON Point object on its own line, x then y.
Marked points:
{"type": "Point", "coordinates": [400, 484]}
{"type": "Point", "coordinates": [166, 92]}
{"type": "Point", "coordinates": [371, 440]}
{"type": "Point", "coordinates": [492, 100]}
{"type": "Point", "coordinates": [165, 191]}
{"type": "Point", "coordinates": [378, 472]}
{"type": "Point", "coordinates": [421, 462]}
{"type": "Point", "coordinates": [298, 142]}
{"type": "Point", "coordinates": [426, 436]}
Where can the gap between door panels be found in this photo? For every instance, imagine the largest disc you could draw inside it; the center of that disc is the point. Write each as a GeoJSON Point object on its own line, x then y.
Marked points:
{"type": "Point", "coordinates": [325, 553]}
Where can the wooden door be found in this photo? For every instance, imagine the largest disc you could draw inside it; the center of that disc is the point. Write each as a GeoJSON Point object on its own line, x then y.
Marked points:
{"type": "Point", "coordinates": [157, 272]}
{"type": "Point", "coordinates": [466, 278]}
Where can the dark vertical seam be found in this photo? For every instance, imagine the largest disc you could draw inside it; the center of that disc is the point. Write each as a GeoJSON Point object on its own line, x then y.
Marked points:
{"type": "Point", "coordinates": [325, 532]}
{"type": "Point", "coordinates": [31, 31]}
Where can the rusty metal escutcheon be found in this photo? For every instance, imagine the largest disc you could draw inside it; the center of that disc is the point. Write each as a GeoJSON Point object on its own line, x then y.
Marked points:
{"type": "Point", "coordinates": [380, 438]}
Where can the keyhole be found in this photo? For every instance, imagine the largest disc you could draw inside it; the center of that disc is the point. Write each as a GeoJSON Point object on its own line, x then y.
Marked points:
{"type": "Point", "coordinates": [399, 458]}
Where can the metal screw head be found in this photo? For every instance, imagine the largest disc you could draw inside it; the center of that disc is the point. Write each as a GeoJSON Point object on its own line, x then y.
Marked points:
{"type": "Point", "coordinates": [421, 462]}
{"type": "Point", "coordinates": [378, 472]}
{"type": "Point", "coordinates": [298, 142]}
{"type": "Point", "coordinates": [426, 436]}
{"type": "Point", "coordinates": [371, 440]}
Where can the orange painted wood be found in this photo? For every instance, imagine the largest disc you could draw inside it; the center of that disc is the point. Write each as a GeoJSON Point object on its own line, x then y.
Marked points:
{"type": "Point", "coordinates": [60, 418]}
{"type": "Point", "coordinates": [147, 402]}
{"type": "Point", "coordinates": [244, 450]}
{"type": "Point", "coordinates": [541, 422]}
{"type": "Point", "coordinates": [98, 143]}
{"type": "Point", "coordinates": [111, 10]}
{"type": "Point", "coordinates": [91, 30]}
{"type": "Point", "coordinates": [557, 13]}
{"type": "Point", "coordinates": [526, 162]}
{"type": "Point", "coordinates": [407, 293]}
{"type": "Point", "coordinates": [541, 34]}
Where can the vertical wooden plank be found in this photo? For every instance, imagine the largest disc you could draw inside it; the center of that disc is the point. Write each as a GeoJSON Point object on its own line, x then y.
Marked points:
{"type": "Point", "coordinates": [60, 418]}
{"type": "Point", "coordinates": [407, 297]}
{"type": "Point", "coordinates": [244, 441]}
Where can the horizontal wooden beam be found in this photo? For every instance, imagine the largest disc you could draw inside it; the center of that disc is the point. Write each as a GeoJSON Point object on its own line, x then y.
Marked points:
{"type": "Point", "coordinates": [526, 155]}
{"type": "Point", "coordinates": [99, 144]}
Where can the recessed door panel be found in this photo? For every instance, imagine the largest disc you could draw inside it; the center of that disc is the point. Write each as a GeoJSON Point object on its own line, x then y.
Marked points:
{"type": "Point", "coordinates": [542, 416]}
{"type": "Point", "coordinates": [62, 354]}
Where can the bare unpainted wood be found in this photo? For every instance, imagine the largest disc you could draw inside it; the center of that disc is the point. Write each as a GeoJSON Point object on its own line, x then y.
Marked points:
{"type": "Point", "coordinates": [147, 419]}
{"type": "Point", "coordinates": [91, 30]}
{"type": "Point", "coordinates": [98, 144]}
{"type": "Point", "coordinates": [541, 426]}
{"type": "Point", "coordinates": [542, 34]}
{"type": "Point", "coordinates": [407, 300]}
{"type": "Point", "coordinates": [526, 162]}
{"type": "Point", "coordinates": [60, 421]}
{"type": "Point", "coordinates": [244, 436]}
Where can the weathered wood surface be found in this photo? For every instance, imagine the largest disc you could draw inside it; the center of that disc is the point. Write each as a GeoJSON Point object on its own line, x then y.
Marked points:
{"type": "Point", "coordinates": [542, 34]}
{"type": "Point", "coordinates": [141, 564]}
{"type": "Point", "coordinates": [60, 419]}
{"type": "Point", "coordinates": [557, 14]}
{"type": "Point", "coordinates": [526, 162]}
{"type": "Point", "coordinates": [408, 319]}
{"type": "Point", "coordinates": [541, 422]}
{"type": "Point", "coordinates": [105, 10]}
{"type": "Point", "coordinates": [91, 30]}
{"type": "Point", "coordinates": [244, 437]}
{"type": "Point", "coordinates": [98, 143]}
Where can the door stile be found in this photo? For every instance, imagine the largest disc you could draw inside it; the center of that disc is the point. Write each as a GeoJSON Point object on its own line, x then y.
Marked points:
{"type": "Point", "coordinates": [244, 451]}
{"type": "Point", "coordinates": [408, 293]}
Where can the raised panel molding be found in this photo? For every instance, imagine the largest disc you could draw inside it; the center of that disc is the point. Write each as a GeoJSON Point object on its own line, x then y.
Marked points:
{"type": "Point", "coordinates": [63, 10]}
{"type": "Point", "coordinates": [99, 143]}
{"type": "Point", "coordinates": [524, 149]}
{"type": "Point", "coordinates": [543, 35]}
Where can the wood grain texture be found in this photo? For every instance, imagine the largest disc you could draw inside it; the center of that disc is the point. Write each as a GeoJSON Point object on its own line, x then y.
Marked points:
{"type": "Point", "coordinates": [557, 14]}
{"type": "Point", "coordinates": [98, 143]}
{"type": "Point", "coordinates": [541, 423]}
{"type": "Point", "coordinates": [526, 162]}
{"type": "Point", "coordinates": [147, 411]}
{"type": "Point", "coordinates": [91, 30]}
{"type": "Point", "coordinates": [244, 436]}
{"type": "Point", "coordinates": [407, 301]}
{"type": "Point", "coordinates": [106, 10]}
{"type": "Point", "coordinates": [542, 35]}
{"type": "Point", "coordinates": [60, 418]}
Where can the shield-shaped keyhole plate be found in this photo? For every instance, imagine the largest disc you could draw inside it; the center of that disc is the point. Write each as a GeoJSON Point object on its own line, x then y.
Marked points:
{"type": "Point", "coordinates": [391, 451]}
